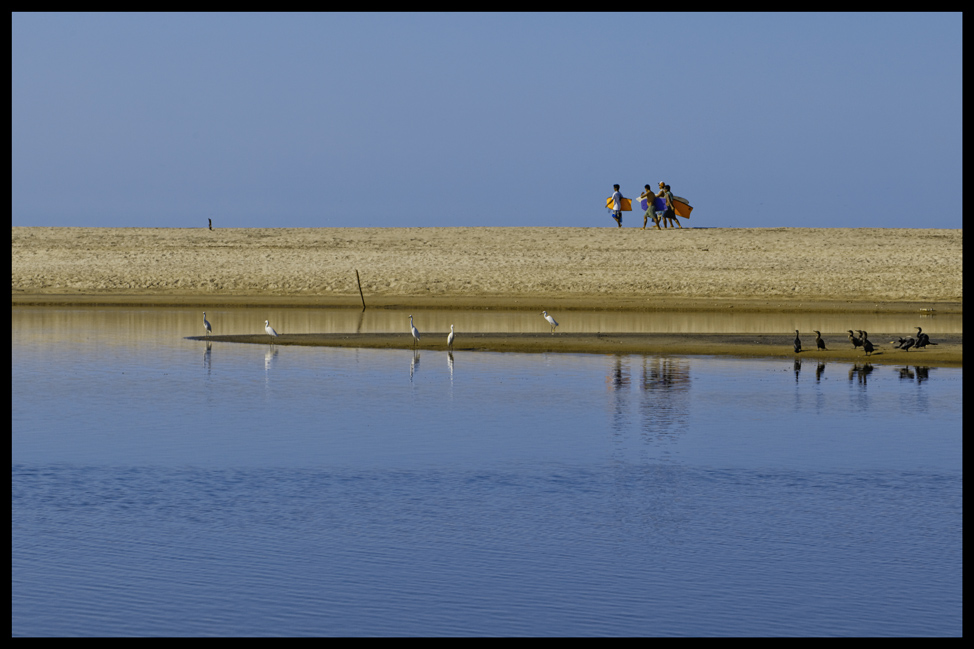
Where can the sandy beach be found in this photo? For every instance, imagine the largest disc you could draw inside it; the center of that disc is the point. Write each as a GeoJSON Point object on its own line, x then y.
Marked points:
{"type": "Point", "coordinates": [611, 268]}
{"type": "Point", "coordinates": [784, 269]}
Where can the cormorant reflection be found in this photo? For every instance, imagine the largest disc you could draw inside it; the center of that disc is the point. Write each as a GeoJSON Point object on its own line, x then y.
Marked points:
{"type": "Point", "coordinates": [920, 373]}
{"type": "Point", "coordinates": [819, 369]}
{"type": "Point", "coordinates": [861, 372]}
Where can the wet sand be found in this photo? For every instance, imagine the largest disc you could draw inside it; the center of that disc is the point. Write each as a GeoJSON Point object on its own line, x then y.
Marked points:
{"type": "Point", "coordinates": [765, 269]}
{"type": "Point", "coordinates": [947, 352]}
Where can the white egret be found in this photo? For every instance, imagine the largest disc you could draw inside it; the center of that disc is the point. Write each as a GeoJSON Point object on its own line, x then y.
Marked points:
{"type": "Point", "coordinates": [206, 325]}
{"type": "Point", "coordinates": [269, 329]}
{"type": "Point", "coordinates": [550, 320]}
{"type": "Point", "coordinates": [415, 331]}
{"type": "Point", "coordinates": [449, 339]}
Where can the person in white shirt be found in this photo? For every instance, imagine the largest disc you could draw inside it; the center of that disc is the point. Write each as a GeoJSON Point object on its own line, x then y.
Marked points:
{"type": "Point", "coordinates": [617, 205]}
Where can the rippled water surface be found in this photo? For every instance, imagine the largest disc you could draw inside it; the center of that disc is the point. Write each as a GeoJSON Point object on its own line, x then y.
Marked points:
{"type": "Point", "coordinates": [165, 486]}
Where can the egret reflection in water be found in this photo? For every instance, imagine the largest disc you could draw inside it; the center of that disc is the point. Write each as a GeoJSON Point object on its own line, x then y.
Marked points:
{"type": "Point", "coordinates": [206, 356]}
{"type": "Point", "coordinates": [413, 365]}
{"type": "Point", "coordinates": [269, 357]}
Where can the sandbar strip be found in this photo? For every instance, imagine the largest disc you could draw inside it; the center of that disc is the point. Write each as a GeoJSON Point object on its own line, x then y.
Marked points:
{"type": "Point", "coordinates": [947, 353]}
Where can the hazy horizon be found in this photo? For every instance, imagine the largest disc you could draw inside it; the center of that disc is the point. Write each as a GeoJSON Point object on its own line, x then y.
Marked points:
{"type": "Point", "coordinates": [427, 120]}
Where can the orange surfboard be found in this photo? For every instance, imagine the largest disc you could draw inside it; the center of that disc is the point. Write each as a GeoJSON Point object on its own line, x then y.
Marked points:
{"type": "Point", "coordinates": [626, 204]}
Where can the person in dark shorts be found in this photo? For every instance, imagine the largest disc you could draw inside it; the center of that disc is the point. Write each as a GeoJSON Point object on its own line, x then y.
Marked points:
{"type": "Point", "coordinates": [651, 210]}
{"type": "Point", "coordinates": [669, 214]}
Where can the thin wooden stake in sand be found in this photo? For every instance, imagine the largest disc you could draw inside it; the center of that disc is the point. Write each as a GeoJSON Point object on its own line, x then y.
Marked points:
{"type": "Point", "coordinates": [360, 289]}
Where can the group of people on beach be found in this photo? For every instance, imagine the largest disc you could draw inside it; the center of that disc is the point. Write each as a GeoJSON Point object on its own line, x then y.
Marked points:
{"type": "Point", "coordinates": [667, 216]}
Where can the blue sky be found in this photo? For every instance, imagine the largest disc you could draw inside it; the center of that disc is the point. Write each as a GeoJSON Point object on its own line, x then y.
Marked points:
{"type": "Point", "coordinates": [405, 120]}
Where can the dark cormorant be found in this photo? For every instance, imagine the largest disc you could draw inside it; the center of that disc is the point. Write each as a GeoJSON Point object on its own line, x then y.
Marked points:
{"type": "Point", "coordinates": [866, 345]}
{"type": "Point", "coordinates": [902, 343]}
{"type": "Point", "coordinates": [922, 339]}
{"type": "Point", "coordinates": [819, 342]}
{"type": "Point", "coordinates": [856, 342]}
{"type": "Point", "coordinates": [798, 343]}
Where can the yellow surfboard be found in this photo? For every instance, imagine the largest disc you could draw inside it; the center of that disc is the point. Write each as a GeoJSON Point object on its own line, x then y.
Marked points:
{"type": "Point", "coordinates": [626, 204]}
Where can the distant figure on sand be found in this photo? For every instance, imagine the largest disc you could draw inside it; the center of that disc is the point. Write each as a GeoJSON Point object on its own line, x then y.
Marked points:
{"type": "Point", "coordinates": [617, 205]}
{"type": "Point", "coordinates": [648, 195]}
{"type": "Point", "coordinates": [670, 213]}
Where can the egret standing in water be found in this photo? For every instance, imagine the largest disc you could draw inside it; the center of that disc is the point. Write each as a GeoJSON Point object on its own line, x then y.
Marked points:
{"type": "Point", "coordinates": [269, 329]}
{"type": "Point", "coordinates": [206, 325]}
{"type": "Point", "coordinates": [449, 339]}
{"type": "Point", "coordinates": [551, 321]}
{"type": "Point", "coordinates": [414, 330]}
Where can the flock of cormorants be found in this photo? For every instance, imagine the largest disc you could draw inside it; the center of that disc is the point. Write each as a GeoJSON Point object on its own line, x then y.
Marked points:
{"type": "Point", "coordinates": [862, 340]}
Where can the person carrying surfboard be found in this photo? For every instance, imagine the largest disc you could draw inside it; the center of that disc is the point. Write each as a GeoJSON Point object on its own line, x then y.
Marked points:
{"type": "Point", "coordinates": [617, 205]}
{"type": "Point", "coordinates": [648, 196]}
{"type": "Point", "coordinates": [670, 213]}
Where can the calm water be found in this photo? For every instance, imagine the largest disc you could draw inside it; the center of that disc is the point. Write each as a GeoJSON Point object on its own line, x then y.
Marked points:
{"type": "Point", "coordinates": [160, 486]}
